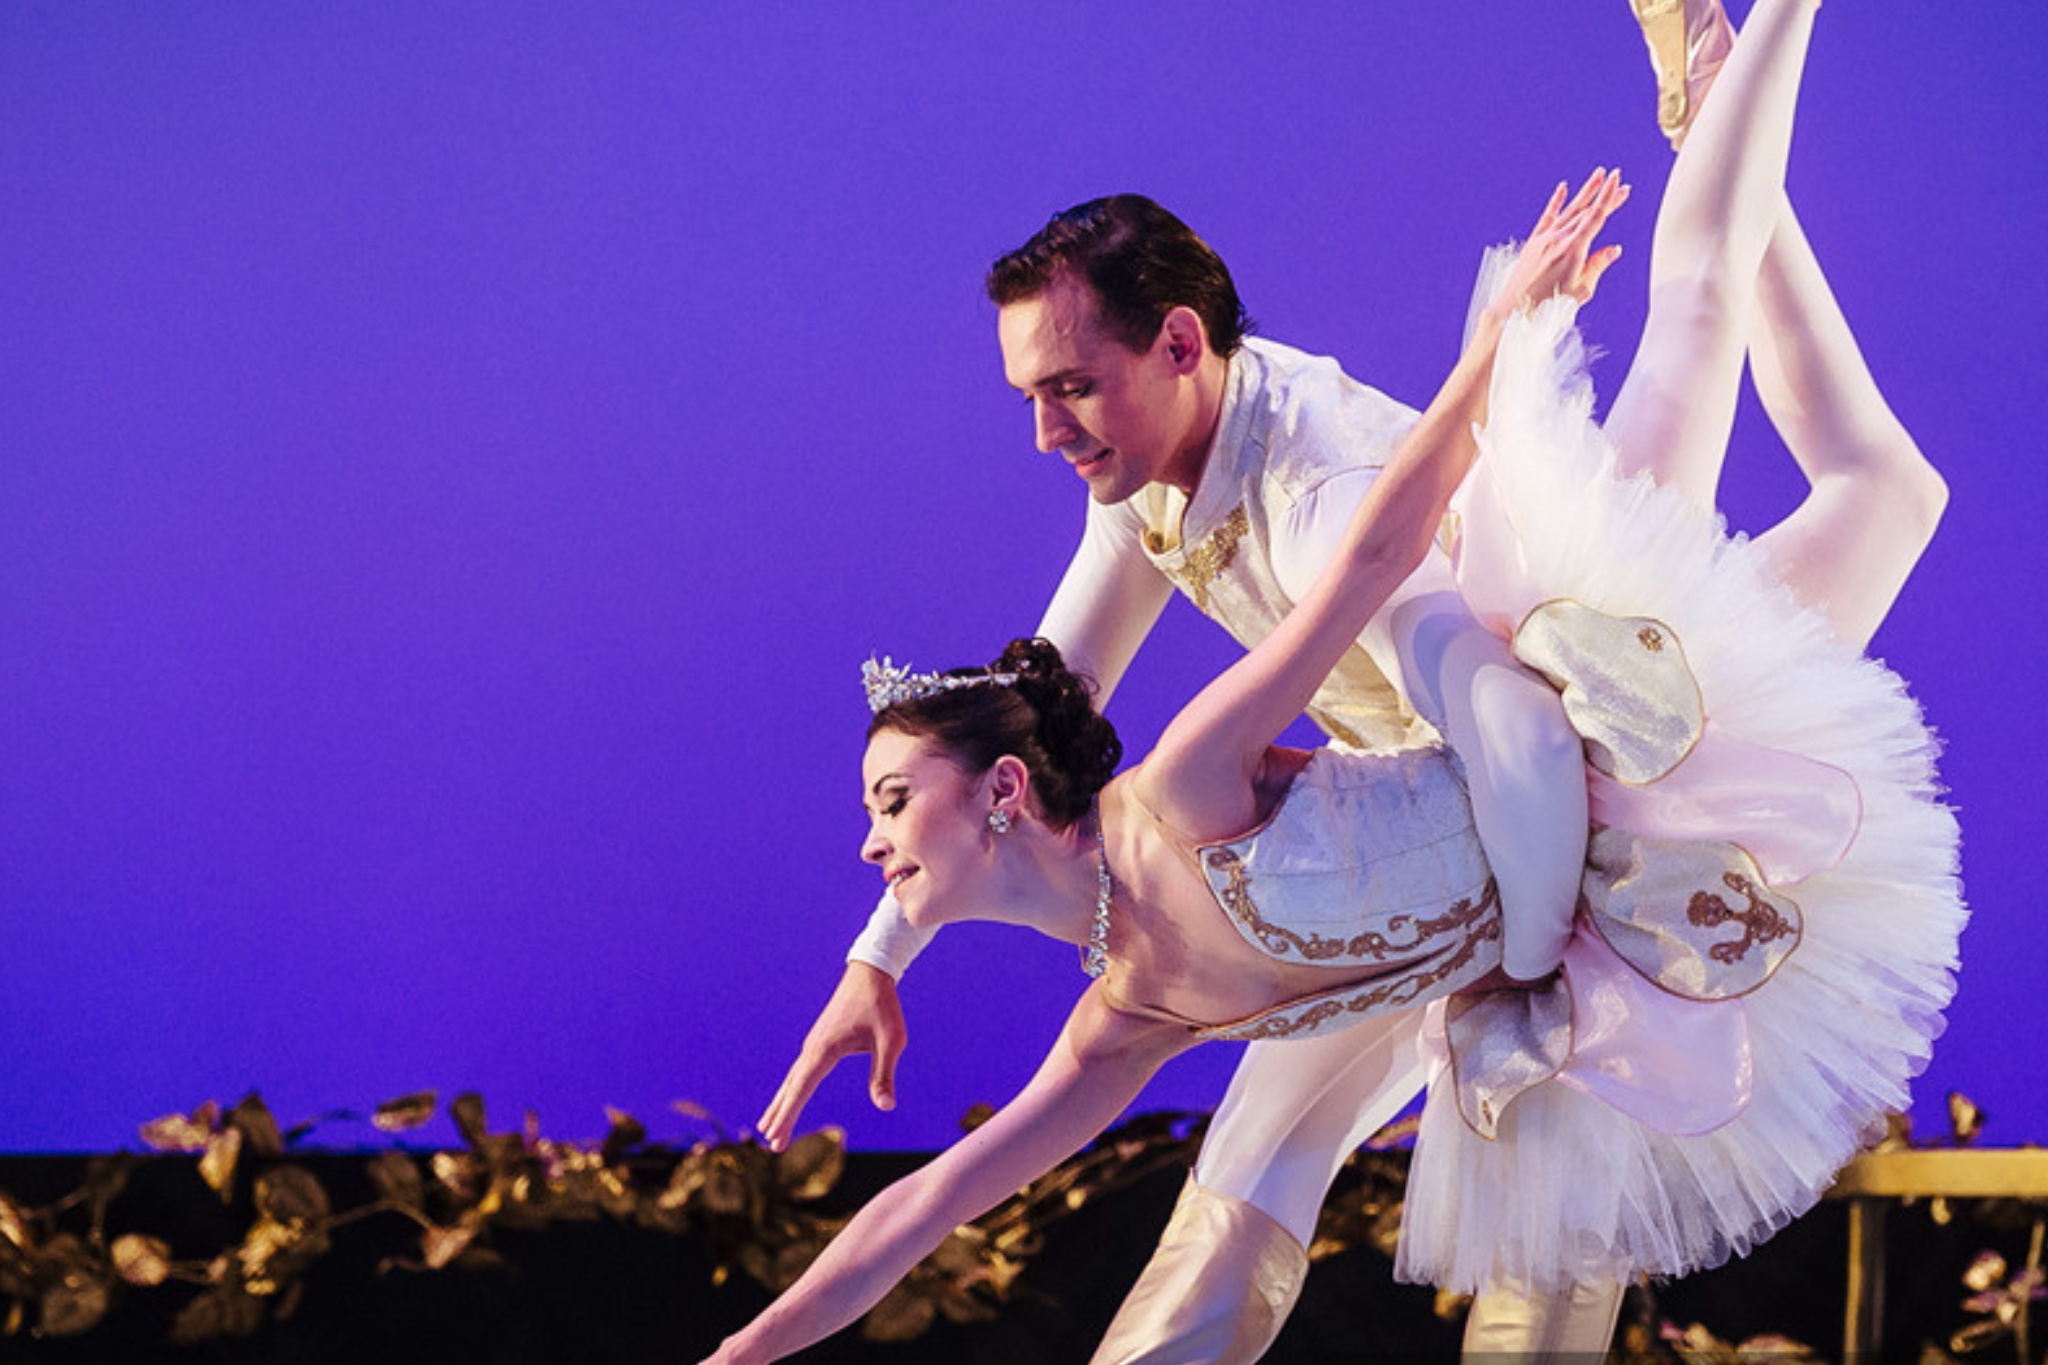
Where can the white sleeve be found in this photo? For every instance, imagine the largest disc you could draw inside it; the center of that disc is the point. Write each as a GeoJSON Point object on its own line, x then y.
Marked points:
{"type": "Point", "coordinates": [1106, 604]}
{"type": "Point", "coordinates": [1108, 600]}
{"type": "Point", "coordinates": [890, 942]}
{"type": "Point", "coordinates": [1305, 540]}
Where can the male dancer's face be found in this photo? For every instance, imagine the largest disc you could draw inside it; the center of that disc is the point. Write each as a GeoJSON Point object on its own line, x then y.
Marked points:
{"type": "Point", "coordinates": [1119, 417]}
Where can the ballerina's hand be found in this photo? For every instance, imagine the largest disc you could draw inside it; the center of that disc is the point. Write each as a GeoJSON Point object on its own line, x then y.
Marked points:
{"type": "Point", "coordinates": [863, 1015]}
{"type": "Point", "coordinates": [1559, 257]}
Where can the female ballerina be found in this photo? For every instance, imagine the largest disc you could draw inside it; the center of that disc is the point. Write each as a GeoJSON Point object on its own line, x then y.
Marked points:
{"type": "Point", "coordinates": [1714, 705]}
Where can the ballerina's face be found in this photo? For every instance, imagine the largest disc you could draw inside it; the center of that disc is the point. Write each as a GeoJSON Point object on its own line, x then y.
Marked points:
{"type": "Point", "coordinates": [927, 825]}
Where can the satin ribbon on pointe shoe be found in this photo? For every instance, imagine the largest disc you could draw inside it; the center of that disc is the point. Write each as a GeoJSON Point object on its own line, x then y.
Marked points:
{"type": "Point", "coordinates": [1688, 42]}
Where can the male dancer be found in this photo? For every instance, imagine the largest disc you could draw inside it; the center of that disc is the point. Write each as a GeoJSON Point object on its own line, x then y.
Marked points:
{"type": "Point", "coordinates": [1228, 468]}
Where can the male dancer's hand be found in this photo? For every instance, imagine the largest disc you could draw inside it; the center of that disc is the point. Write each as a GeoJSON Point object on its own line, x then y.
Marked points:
{"type": "Point", "coordinates": [863, 1015]}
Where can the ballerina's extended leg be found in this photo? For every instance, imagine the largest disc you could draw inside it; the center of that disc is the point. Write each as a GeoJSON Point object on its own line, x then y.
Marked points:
{"type": "Point", "coordinates": [1849, 547]}
{"type": "Point", "coordinates": [1874, 500]}
{"type": "Point", "coordinates": [1676, 408]}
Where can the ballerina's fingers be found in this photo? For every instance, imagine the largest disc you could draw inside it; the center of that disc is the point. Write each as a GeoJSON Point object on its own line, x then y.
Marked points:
{"type": "Point", "coordinates": [1558, 257]}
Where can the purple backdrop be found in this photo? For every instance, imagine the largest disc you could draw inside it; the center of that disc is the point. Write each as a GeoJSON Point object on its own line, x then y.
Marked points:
{"type": "Point", "coordinates": [453, 458]}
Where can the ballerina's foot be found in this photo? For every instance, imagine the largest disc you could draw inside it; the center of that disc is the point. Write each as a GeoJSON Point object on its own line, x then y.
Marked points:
{"type": "Point", "coordinates": [1688, 41]}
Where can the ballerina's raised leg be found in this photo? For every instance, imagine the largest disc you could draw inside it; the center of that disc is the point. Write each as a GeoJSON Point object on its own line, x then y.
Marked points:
{"type": "Point", "coordinates": [1849, 547]}
{"type": "Point", "coordinates": [1676, 407]}
{"type": "Point", "coordinates": [1874, 500]}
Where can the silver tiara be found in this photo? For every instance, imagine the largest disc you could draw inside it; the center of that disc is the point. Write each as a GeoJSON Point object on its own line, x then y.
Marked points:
{"type": "Point", "coordinates": [886, 684]}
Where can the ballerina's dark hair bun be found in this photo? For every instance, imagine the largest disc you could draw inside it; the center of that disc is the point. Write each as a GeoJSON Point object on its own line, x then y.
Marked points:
{"type": "Point", "coordinates": [1046, 717]}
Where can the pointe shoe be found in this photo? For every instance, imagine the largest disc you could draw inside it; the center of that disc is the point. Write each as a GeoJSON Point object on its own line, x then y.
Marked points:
{"type": "Point", "coordinates": [1688, 41]}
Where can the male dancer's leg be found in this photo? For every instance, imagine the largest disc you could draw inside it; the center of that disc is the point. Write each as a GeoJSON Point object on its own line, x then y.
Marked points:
{"type": "Point", "coordinates": [1230, 1263]}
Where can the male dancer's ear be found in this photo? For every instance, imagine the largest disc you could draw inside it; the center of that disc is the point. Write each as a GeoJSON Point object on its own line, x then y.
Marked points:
{"type": "Point", "coordinates": [1187, 341]}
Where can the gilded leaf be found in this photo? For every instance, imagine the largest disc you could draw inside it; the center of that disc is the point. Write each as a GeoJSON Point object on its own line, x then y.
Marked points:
{"type": "Point", "coordinates": [203, 1319]}
{"type": "Point", "coordinates": [903, 1315]}
{"type": "Point", "coordinates": [960, 1305]}
{"type": "Point", "coordinates": [142, 1260]}
{"type": "Point", "coordinates": [467, 1109]}
{"type": "Point", "coordinates": [626, 1133]}
{"type": "Point", "coordinates": [457, 1172]}
{"type": "Point", "coordinates": [1985, 1272]}
{"type": "Point", "coordinates": [105, 1178]}
{"type": "Point", "coordinates": [441, 1245]}
{"type": "Point", "coordinates": [791, 1261]}
{"type": "Point", "coordinates": [690, 1109]}
{"type": "Point", "coordinates": [259, 1127]}
{"type": "Point", "coordinates": [959, 1254]}
{"type": "Point", "coordinates": [1019, 1239]}
{"type": "Point", "coordinates": [290, 1194]}
{"type": "Point", "coordinates": [75, 1303]}
{"type": "Point", "coordinates": [1965, 1119]}
{"type": "Point", "coordinates": [405, 1113]}
{"type": "Point", "coordinates": [976, 1116]}
{"type": "Point", "coordinates": [181, 1132]}
{"type": "Point", "coordinates": [397, 1178]}
{"type": "Point", "coordinates": [267, 1241]}
{"type": "Point", "coordinates": [684, 1182]}
{"type": "Point", "coordinates": [223, 1311]}
{"type": "Point", "coordinates": [14, 1224]}
{"type": "Point", "coordinates": [217, 1167]}
{"type": "Point", "coordinates": [814, 1163]}
{"type": "Point", "coordinates": [725, 1189]}
{"type": "Point", "coordinates": [1898, 1133]}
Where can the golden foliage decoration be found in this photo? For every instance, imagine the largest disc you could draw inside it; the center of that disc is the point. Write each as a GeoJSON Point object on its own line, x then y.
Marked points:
{"type": "Point", "coordinates": [756, 1210]}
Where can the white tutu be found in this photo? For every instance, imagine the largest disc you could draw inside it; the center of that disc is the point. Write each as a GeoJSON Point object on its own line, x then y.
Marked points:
{"type": "Point", "coordinates": [1572, 1187]}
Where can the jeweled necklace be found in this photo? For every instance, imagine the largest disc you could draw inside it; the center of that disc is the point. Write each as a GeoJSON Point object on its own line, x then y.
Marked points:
{"type": "Point", "coordinates": [1095, 957]}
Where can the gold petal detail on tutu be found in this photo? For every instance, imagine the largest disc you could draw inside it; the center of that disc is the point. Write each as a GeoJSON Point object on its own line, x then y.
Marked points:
{"type": "Point", "coordinates": [1627, 688]}
{"type": "Point", "coordinates": [1503, 1043]}
{"type": "Point", "coordinates": [1695, 918]}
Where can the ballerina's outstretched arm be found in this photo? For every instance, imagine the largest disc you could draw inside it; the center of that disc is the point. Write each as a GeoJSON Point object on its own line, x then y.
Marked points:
{"type": "Point", "coordinates": [1100, 1062]}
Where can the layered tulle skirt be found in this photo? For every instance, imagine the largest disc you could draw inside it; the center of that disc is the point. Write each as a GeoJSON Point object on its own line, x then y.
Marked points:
{"type": "Point", "coordinates": [1768, 935]}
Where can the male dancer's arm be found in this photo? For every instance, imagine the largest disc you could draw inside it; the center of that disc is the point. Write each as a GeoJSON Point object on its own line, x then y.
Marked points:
{"type": "Point", "coordinates": [1107, 602]}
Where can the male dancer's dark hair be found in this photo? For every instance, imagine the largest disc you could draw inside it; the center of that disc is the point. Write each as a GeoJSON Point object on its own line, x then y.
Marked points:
{"type": "Point", "coordinates": [1142, 263]}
